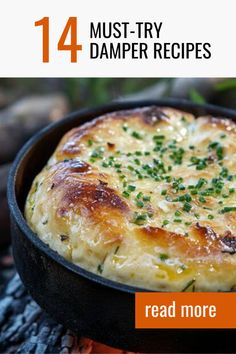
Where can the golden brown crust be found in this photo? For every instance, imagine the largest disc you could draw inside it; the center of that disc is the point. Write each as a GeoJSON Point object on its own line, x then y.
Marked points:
{"type": "Point", "coordinates": [205, 244]}
{"type": "Point", "coordinates": [145, 197]}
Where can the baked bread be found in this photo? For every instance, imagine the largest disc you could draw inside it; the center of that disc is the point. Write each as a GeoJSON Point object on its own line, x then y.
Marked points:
{"type": "Point", "coordinates": [144, 197]}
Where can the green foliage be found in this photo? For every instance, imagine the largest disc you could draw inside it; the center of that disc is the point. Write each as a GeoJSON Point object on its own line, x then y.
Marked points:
{"type": "Point", "coordinates": [226, 85]}
{"type": "Point", "coordinates": [196, 97]}
{"type": "Point", "coordinates": [95, 91]}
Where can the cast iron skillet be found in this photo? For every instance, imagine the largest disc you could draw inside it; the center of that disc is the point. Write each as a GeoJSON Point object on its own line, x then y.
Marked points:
{"type": "Point", "coordinates": [87, 303]}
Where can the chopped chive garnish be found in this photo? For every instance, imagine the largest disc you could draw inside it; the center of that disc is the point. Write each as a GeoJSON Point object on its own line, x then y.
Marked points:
{"type": "Point", "coordinates": [139, 204]}
{"type": "Point", "coordinates": [163, 257]}
{"type": "Point", "coordinates": [187, 207]}
{"type": "Point", "coordinates": [177, 213]}
{"type": "Point", "coordinates": [146, 198]}
{"type": "Point", "coordinates": [173, 189]}
{"type": "Point", "coordinates": [200, 183]}
{"type": "Point", "coordinates": [131, 188]}
{"type": "Point", "coordinates": [117, 165]}
{"type": "Point", "coordinates": [194, 192]}
{"type": "Point", "coordinates": [213, 145]}
{"type": "Point", "coordinates": [202, 199]}
{"type": "Point", "coordinates": [200, 164]}
{"type": "Point", "coordinates": [183, 198]}
{"type": "Point", "coordinates": [97, 153]}
{"type": "Point", "coordinates": [138, 153]}
{"type": "Point", "coordinates": [139, 195]}
{"type": "Point", "coordinates": [125, 127]}
{"type": "Point", "coordinates": [125, 194]}
{"type": "Point", "coordinates": [165, 222]}
{"type": "Point", "coordinates": [227, 209]}
{"type": "Point", "coordinates": [136, 135]}
{"type": "Point", "coordinates": [177, 220]}
{"type": "Point", "coordinates": [100, 268]}
{"type": "Point", "coordinates": [224, 172]}
{"type": "Point", "coordinates": [219, 152]}
{"type": "Point", "coordinates": [188, 223]}
{"type": "Point", "coordinates": [139, 219]}
{"type": "Point", "coordinates": [188, 285]}
{"type": "Point", "coordinates": [210, 217]}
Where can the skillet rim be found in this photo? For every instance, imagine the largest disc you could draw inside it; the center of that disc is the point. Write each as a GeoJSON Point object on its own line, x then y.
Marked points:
{"type": "Point", "coordinates": [92, 113]}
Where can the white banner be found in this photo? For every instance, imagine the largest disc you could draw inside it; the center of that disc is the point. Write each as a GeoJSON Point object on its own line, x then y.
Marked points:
{"type": "Point", "coordinates": [125, 38]}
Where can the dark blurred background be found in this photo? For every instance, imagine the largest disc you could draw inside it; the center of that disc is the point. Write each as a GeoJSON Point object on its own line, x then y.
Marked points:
{"type": "Point", "coordinates": [27, 105]}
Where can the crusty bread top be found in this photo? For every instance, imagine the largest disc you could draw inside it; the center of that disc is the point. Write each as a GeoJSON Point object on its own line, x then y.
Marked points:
{"type": "Point", "coordinates": [144, 197]}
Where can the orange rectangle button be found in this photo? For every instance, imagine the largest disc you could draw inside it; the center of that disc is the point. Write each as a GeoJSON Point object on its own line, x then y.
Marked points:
{"type": "Point", "coordinates": [185, 310]}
